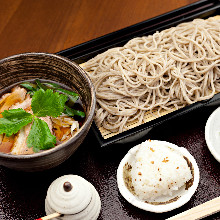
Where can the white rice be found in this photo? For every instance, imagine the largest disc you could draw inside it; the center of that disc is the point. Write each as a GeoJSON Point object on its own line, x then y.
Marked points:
{"type": "Point", "coordinates": [158, 170]}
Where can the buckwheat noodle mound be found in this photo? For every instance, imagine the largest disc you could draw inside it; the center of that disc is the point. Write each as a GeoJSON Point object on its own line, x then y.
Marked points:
{"type": "Point", "coordinates": [167, 70]}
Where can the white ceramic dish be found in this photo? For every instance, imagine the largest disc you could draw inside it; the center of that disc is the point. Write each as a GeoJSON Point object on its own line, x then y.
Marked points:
{"type": "Point", "coordinates": [212, 134]}
{"type": "Point", "coordinates": [182, 194]}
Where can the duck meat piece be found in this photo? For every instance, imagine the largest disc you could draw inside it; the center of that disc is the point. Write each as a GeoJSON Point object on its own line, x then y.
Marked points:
{"type": "Point", "coordinates": [26, 104]}
{"type": "Point", "coordinates": [18, 95]}
{"type": "Point", "coordinates": [20, 145]}
{"type": "Point", "coordinates": [6, 143]}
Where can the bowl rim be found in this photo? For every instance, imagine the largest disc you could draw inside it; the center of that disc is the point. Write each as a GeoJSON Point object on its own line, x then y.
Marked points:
{"type": "Point", "coordinates": [85, 124]}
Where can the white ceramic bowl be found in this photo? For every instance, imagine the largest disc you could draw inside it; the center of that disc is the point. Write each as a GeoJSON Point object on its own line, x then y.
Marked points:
{"type": "Point", "coordinates": [182, 194]}
{"type": "Point", "coordinates": [212, 134]}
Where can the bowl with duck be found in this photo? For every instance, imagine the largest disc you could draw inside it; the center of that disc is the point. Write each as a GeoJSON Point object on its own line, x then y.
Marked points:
{"type": "Point", "coordinates": [49, 67]}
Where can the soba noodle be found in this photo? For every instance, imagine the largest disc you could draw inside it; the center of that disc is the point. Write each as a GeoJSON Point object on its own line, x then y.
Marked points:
{"type": "Point", "coordinates": [169, 69]}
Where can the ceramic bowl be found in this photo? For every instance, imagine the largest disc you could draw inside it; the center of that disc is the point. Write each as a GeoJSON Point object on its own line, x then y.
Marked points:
{"type": "Point", "coordinates": [163, 203]}
{"type": "Point", "coordinates": [30, 66]}
{"type": "Point", "coordinates": [212, 133]}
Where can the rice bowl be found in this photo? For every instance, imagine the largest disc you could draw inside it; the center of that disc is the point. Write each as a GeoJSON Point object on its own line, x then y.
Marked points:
{"type": "Point", "coordinates": [157, 176]}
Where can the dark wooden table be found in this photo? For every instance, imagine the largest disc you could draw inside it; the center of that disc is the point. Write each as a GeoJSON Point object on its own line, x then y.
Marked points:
{"type": "Point", "coordinates": [52, 26]}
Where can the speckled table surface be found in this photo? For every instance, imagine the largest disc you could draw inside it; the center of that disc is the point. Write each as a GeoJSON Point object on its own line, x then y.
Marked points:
{"type": "Point", "coordinates": [22, 195]}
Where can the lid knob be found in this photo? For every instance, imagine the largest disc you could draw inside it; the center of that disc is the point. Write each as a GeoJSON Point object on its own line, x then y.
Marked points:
{"type": "Point", "coordinates": [67, 186]}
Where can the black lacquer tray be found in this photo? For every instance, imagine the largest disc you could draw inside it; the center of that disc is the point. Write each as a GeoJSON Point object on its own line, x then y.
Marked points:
{"type": "Point", "coordinates": [85, 51]}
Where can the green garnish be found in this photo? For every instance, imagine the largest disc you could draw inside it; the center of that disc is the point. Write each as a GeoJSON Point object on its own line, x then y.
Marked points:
{"type": "Point", "coordinates": [40, 85]}
{"type": "Point", "coordinates": [29, 86]}
{"type": "Point", "coordinates": [31, 93]}
{"type": "Point", "coordinates": [40, 137]}
{"type": "Point", "coordinates": [13, 120]}
{"type": "Point", "coordinates": [71, 95]}
{"type": "Point", "coordinates": [71, 112]}
{"type": "Point", "coordinates": [67, 92]}
{"type": "Point", "coordinates": [44, 103]}
{"type": "Point", "coordinates": [51, 85]}
{"type": "Point", "coordinates": [48, 103]}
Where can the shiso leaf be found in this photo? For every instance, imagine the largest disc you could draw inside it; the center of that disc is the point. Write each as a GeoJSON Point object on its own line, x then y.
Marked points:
{"type": "Point", "coordinates": [48, 103]}
{"type": "Point", "coordinates": [13, 120]}
{"type": "Point", "coordinates": [40, 137]}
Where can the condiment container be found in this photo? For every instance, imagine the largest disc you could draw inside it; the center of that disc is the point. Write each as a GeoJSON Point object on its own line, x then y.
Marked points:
{"type": "Point", "coordinates": [74, 197]}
